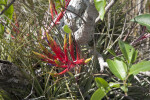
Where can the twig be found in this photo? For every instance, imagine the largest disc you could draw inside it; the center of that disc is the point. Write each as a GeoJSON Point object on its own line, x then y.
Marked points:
{"type": "Point", "coordinates": [7, 7]}
{"type": "Point", "coordinates": [74, 13]}
{"type": "Point", "coordinates": [31, 92]}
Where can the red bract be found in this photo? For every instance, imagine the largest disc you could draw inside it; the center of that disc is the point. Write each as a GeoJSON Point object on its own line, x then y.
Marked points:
{"type": "Point", "coordinates": [52, 7]}
{"type": "Point", "coordinates": [60, 58]}
{"type": "Point", "coordinates": [61, 14]}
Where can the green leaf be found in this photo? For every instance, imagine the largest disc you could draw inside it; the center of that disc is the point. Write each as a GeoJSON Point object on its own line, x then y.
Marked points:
{"type": "Point", "coordinates": [118, 68]}
{"type": "Point", "coordinates": [67, 29]}
{"type": "Point", "coordinates": [9, 12]}
{"type": "Point", "coordinates": [140, 67]}
{"type": "Point", "coordinates": [103, 89]}
{"type": "Point", "coordinates": [98, 95]}
{"type": "Point", "coordinates": [101, 83]}
{"type": "Point", "coordinates": [1, 30]}
{"type": "Point", "coordinates": [115, 85]}
{"type": "Point", "coordinates": [143, 20]}
{"type": "Point", "coordinates": [112, 52]}
{"type": "Point", "coordinates": [125, 89]}
{"type": "Point", "coordinates": [4, 95]}
{"type": "Point", "coordinates": [100, 6]}
{"type": "Point", "coordinates": [2, 2]}
{"type": "Point", "coordinates": [128, 51]}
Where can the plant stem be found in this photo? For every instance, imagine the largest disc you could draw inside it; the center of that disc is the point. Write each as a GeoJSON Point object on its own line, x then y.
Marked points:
{"type": "Point", "coordinates": [125, 84]}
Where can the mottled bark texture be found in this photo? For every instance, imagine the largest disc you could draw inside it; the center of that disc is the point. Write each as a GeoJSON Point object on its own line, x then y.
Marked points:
{"type": "Point", "coordinates": [82, 30]}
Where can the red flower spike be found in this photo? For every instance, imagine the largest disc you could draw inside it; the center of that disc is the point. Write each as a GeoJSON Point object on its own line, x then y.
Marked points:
{"type": "Point", "coordinates": [51, 9]}
{"type": "Point", "coordinates": [64, 71]}
{"type": "Point", "coordinates": [71, 47]}
{"type": "Point", "coordinates": [61, 14]}
{"type": "Point", "coordinates": [45, 51]}
{"type": "Point", "coordinates": [65, 48]}
{"type": "Point", "coordinates": [54, 8]}
{"type": "Point", "coordinates": [61, 59]}
{"type": "Point", "coordinates": [54, 47]}
{"type": "Point", "coordinates": [77, 52]}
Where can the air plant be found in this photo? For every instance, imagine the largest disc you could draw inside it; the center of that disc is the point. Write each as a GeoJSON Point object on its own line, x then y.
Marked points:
{"type": "Point", "coordinates": [61, 57]}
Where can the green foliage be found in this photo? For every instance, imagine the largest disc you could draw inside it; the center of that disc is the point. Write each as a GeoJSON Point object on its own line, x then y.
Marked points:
{"type": "Point", "coordinates": [140, 67]}
{"type": "Point", "coordinates": [67, 29]}
{"type": "Point", "coordinates": [69, 86]}
{"type": "Point", "coordinates": [9, 12]}
{"type": "Point", "coordinates": [143, 20]}
{"type": "Point", "coordinates": [114, 85]}
{"type": "Point", "coordinates": [98, 94]}
{"type": "Point", "coordinates": [2, 2]}
{"type": "Point", "coordinates": [118, 68]}
{"type": "Point", "coordinates": [1, 30]}
{"type": "Point", "coordinates": [4, 95]}
{"type": "Point", "coordinates": [100, 6]}
{"type": "Point", "coordinates": [122, 67]}
{"type": "Point", "coordinates": [103, 89]}
{"type": "Point", "coordinates": [128, 52]}
{"type": "Point", "coordinates": [101, 83]}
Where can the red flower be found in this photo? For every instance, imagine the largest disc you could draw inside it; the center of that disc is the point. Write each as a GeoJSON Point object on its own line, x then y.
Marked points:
{"type": "Point", "coordinates": [61, 59]}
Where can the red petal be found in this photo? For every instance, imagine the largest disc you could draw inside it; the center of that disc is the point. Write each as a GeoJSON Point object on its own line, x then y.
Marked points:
{"type": "Point", "coordinates": [63, 72]}
{"type": "Point", "coordinates": [55, 48]}
{"type": "Point", "coordinates": [77, 52]}
{"type": "Point", "coordinates": [81, 61]}
{"type": "Point", "coordinates": [51, 8]}
{"type": "Point", "coordinates": [54, 9]}
{"type": "Point", "coordinates": [45, 51]}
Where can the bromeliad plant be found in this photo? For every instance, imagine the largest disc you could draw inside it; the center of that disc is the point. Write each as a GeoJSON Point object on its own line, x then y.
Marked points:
{"type": "Point", "coordinates": [61, 57]}
{"type": "Point", "coordinates": [122, 67]}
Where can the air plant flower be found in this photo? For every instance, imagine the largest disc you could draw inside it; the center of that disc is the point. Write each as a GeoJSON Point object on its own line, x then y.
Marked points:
{"type": "Point", "coordinates": [61, 58]}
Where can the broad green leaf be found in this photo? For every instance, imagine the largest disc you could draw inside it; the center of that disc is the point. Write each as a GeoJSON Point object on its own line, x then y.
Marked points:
{"type": "Point", "coordinates": [100, 6]}
{"type": "Point", "coordinates": [128, 51]}
{"type": "Point", "coordinates": [98, 95]}
{"type": "Point", "coordinates": [115, 85]}
{"type": "Point", "coordinates": [9, 12]}
{"type": "Point", "coordinates": [143, 20]}
{"type": "Point", "coordinates": [118, 68]}
{"type": "Point", "coordinates": [2, 2]}
{"type": "Point", "coordinates": [125, 89]}
{"type": "Point", "coordinates": [101, 83]}
{"type": "Point", "coordinates": [1, 30]}
{"type": "Point", "coordinates": [140, 67]}
{"type": "Point", "coordinates": [67, 29]}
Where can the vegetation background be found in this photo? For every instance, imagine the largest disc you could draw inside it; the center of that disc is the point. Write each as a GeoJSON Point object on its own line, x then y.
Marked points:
{"type": "Point", "coordinates": [23, 76]}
